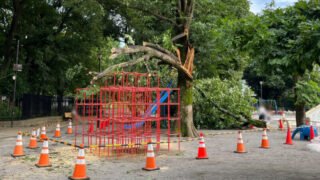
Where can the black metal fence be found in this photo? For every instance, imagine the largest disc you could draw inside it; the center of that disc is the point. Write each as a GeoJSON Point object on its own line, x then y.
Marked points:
{"type": "Point", "coordinates": [31, 106]}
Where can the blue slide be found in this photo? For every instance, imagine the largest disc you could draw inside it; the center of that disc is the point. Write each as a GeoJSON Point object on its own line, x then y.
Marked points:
{"type": "Point", "coordinates": [153, 108]}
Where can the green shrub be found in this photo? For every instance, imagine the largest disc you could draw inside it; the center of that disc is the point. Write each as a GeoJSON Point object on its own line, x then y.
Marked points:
{"type": "Point", "coordinates": [5, 112]}
{"type": "Point", "coordinates": [228, 94]}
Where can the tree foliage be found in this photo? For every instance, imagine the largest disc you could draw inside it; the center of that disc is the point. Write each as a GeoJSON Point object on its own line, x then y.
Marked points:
{"type": "Point", "coordinates": [286, 40]}
{"type": "Point", "coordinates": [228, 94]}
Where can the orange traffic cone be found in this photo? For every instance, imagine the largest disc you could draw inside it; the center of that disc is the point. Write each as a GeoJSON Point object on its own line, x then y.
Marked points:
{"type": "Point", "coordinates": [240, 145]}
{"type": "Point", "coordinates": [43, 134]}
{"type": "Point", "coordinates": [289, 139]}
{"type": "Point", "coordinates": [18, 149]}
{"type": "Point", "coordinates": [33, 140]}
{"type": "Point", "coordinates": [311, 133]}
{"type": "Point", "coordinates": [57, 133]}
{"type": "Point", "coordinates": [280, 125]}
{"type": "Point", "coordinates": [202, 151]}
{"type": "Point", "coordinates": [44, 156]}
{"type": "Point", "coordinates": [80, 168]}
{"type": "Point", "coordinates": [69, 130]}
{"type": "Point", "coordinates": [151, 161]}
{"type": "Point", "coordinates": [264, 142]}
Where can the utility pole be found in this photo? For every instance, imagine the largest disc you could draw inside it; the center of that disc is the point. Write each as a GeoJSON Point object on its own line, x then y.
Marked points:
{"type": "Point", "coordinates": [15, 83]}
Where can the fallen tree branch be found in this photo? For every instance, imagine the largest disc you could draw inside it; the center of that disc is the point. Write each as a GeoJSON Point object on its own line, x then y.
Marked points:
{"type": "Point", "coordinates": [159, 48]}
{"type": "Point", "coordinates": [203, 94]}
{"type": "Point", "coordinates": [153, 53]}
{"type": "Point", "coordinates": [121, 65]}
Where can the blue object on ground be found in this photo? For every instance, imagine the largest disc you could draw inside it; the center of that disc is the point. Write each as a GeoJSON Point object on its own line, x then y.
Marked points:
{"type": "Point", "coordinates": [304, 132]}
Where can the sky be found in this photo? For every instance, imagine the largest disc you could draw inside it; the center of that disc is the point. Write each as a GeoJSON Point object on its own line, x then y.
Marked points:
{"type": "Point", "coordinates": [258, 5]}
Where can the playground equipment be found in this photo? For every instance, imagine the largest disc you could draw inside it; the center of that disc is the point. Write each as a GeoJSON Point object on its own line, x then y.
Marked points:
{"type": "Point", "coordinates": [269, 103]}
{"type": "Point", "coordinates": [304, 132]}
{"type": "Point", "coordinates": [126, 109]}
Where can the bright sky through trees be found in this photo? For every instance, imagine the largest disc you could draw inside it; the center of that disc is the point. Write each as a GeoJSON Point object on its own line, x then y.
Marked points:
{"type": "Point", "coordinates": [258, 5]}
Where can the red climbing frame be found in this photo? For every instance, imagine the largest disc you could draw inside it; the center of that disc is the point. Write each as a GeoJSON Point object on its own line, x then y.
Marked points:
{"type": "Point", "coordinates": [129, 108]}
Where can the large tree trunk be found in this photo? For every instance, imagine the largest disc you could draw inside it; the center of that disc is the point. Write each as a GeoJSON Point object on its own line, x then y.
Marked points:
{"type": "Point", "coordinates": [60, 102]}
{"type": "Point", "coordinates": [17, 14]}
{"type": "Point", "coordinates": [186, 106]}
{"type": "Point", "coordinates": [300, 108]}
{"type": "Point", "coordinates": [300, 115]}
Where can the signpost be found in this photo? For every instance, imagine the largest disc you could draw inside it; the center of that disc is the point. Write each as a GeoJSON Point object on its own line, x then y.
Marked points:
{"type": "Point", "coordinates": [16, 68]}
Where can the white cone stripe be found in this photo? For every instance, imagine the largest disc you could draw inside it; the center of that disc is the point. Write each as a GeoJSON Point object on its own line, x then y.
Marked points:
{"type": "Point", "coordinates": [57, 129]}
{"type": "Point", "coordinates": [70, 126]}
{"type": "Point", "coordinates": [19, 137]}
{"type": "Point", "coordinates": [202, 145]}
{"type": "Point", "coordinates": [43, 128]}
{"type": "Point", "coordinates": [240, 141]}
{"type": "Point", "coordinates": [19, 143]}
{"type": "Point", "coordinates": [33, 133]}
{"type": "Point", "coordinates": [264, 137]}
{"type": "Point", "coordinates": [81, 153]}
{"type": "Point", "coordinates": [44, 151]}
{"type": "Point", "coordinates": [38, 132]}
{"type": "Point", "coordinates": [43, 132]}
{"type": "Point", "coordinates": [58, 125]}
{"type": "Point", "coordinates": [150, 154]}
{"type": "Point", "coordinates": [240, 135]}
{"type": "Point", "coordinates": [81, 161]}
{"type": "Point", "coordinates": [150, 147]}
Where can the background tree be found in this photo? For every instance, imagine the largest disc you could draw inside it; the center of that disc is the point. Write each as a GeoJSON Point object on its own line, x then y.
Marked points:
{"type": "Point", "coordinates": [287, 40]}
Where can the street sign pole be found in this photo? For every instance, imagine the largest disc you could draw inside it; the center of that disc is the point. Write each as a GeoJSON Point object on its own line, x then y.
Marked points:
{"type": "Point", "coordinates": [14, 87]}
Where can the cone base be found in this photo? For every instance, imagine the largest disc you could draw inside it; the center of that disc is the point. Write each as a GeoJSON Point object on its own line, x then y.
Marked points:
{"type": "Point", "coordinates": [57, 136]}
{"type": "Point", "coordinates": [86, 178]}
{"type": "Point", "coordinates": [68, 133]}
{"type": "Point", "coordinates": [32, 147]}
{"type": "Point", "coordinates": [40, 166]}
{"type": "Point", "coordinates": [151, 169]}
{"type": "Point", "coordinates": [288, 143]}
{"type": "Point", "coordinates": [240, 152]}
{"type": "Point", "coordinates": [264, 147]}
{"type": "Point", "coordinates": [17, 155]}
{"type": "Point", "coordinates": [202, 158]}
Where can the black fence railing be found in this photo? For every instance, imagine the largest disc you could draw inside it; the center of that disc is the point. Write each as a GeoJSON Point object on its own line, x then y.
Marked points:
{"type": "Point", "coordinates": [31, 106]}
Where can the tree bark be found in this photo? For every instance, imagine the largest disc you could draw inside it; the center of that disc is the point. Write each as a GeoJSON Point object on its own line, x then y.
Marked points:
{"type": "Point", "coordinates": [300, 115]}
{"type": "Point", "coordinates": [300, 108]}
{"type": "Point", "coordinates": [186, 106]}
